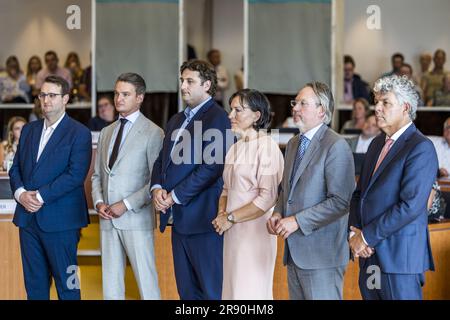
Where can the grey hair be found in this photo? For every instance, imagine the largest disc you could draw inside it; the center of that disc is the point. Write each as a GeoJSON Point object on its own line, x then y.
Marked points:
{"type": "Point", "coordinates": [403, 89]}
{"type": "Point", "coordinates": [326, 100]}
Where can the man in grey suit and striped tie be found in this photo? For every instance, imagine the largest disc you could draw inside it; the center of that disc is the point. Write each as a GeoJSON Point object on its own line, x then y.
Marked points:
{"type": "Point", "coordinates": [312, 210]}
{"type": "Point", "coordinates": [126, 152]}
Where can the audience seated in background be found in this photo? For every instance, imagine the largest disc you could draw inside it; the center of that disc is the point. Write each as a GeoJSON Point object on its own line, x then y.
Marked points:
{"type": "Point", "coordinates": [354, 86]}
{"type": "Point", "coordinates": [51, 61]}
{"type": "Point", "coordinates": [425, 62]}
{"type": "Point", "coordinates": [8, 147]}
{"type": "Point", "coordinates": [432, 81]}
{"type": "Point", "coordinates": [34, 65]}
{"type": "Point", "coordinates": [359, 112]}
{"type": "Point", "coordinates": [407, 70]}
{"type": "Point", "coordinates": [36, 112]}
{"type": "Point", "coordinates": [442, 146]}
{"type": "Point", "coordinates": [86, 84]}
{"type": "Point", "coordinates": [442, 96]}
{"type": "Point", "coordinates": [73, 64]}
{"type": "Point", "coordinates": [370, 130]}
{"type": "Point", "coordinates": [13, 84]}
{"type": "Point", "coordinates": [106, 114]}
{"type": "Point", "coordinates": [397, 60]}
{"type": "Point", "coordinates": [214, 57]}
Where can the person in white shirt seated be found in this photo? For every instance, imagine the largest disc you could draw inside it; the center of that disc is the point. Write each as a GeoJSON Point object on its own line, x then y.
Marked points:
{"type": "Point", "coordinates": [442, 146]}
{"type": "Point", "coordinates": [370, 130]}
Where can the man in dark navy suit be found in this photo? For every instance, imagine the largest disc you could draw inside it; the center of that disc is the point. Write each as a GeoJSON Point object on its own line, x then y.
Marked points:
{"type": "Point", "coordinates": [187, 183]}
{"type": "Point", "coordinates": [388, 213]}
{"type": "Point", "coordinates": [47, 179]}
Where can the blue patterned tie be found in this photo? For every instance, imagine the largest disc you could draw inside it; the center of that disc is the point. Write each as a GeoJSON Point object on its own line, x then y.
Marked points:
{"type": "Point", "coordinates": [188, 114]}
{"type": "Point", "coordinates": [304, 142]}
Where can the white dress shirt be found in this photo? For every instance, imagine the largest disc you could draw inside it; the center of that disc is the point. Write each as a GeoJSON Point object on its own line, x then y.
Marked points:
{"type": "Point", "coordinates": [443, 152]}
{"type": "Point", "coordinates": [363, 144]}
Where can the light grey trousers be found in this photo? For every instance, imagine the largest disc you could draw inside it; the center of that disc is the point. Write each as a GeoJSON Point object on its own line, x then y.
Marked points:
{"type": "Point", "coordinates": [315, 284]}
{"type": "Point", "coordinates": [138, 246]}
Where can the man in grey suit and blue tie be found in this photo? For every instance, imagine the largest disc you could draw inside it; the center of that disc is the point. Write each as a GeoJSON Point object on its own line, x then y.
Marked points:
{"type": "Point", "coordinates": [126, 152]}
{"type": "Point", "coordinates": [312, 209]}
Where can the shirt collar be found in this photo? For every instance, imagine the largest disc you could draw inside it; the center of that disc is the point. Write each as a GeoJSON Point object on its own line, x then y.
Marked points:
{"type": "Point", "coordinates": [311, 132]}
{"type": "Point", "coordinates": [131, 117]}
{"type": "Point", "coordinates": [397, 135]}
{"type": "Point", "coordinates": [193, 111]}
{"type": "Point", "coordinates": [53, 126]}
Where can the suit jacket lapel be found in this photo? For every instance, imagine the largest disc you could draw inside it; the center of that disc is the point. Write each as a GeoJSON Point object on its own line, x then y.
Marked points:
{"type": "Point", "coordinates": [54, 140]}
{"type": "Point", "coordinates": [290, 158]}
{"type": "Point", "coordinates": [309, 154]}
{"type": "Point", "coordinates": [167, 151]}
{"type": "Point", "coordinates": [131, 136]}
{"type": "Point", "coordinates": [372, 159]}
{"type": "Point", "coordinates": [190, 127]}
{"type": "Point", "coordinates": [36, 139]}
{"type": "Point", "coordinates": [398, 145]}
{"type": "Point", "coordinates": [105, 147]}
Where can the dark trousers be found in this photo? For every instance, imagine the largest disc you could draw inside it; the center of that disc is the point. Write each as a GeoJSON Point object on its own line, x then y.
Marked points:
{"type": "Point", "coordinates": [46, 255]}
{"type": "Point", "coordinates": [388, 286]}
{"type": "Point", "coordinates": [198, 262]}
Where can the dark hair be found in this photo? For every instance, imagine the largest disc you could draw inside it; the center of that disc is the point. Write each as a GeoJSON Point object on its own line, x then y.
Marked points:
{"type": "Point", "coordinates": [397, 55]}
{"type": "Point", "coordinates": [364, 102]}
{"type": "Point", "coordinates": [13, 59]}
{"type": "Point", "coordinates": [107, 97]}
{"type": "Point", "coordinates": [439, 51]}
{"type": "Point", "coordinates": [349, 59]}
{"type": "Point", "coordinates": [72, 55]}
{"type": "Point", "coordinates": [60, 82]}
{"type": "Point", "coordinates": [210, 52]}
{"type": "Point", "coordinates": [256, 101]}
{"type": "Point", "coordinates": [29, 64]}
{"type": "Point", "coordinates": [136, 80]}
{"type": "Point", "coordinates": [206, 73]}
{"type": "Point", "coordinates": [51, 52]}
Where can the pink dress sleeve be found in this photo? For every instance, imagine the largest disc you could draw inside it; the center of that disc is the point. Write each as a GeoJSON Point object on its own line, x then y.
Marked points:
{"type": "Point", "coordinates": [269, 174]}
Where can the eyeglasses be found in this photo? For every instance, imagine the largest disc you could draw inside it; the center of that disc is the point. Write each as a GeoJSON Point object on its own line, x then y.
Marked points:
{"type": "Point", "coordinates": [302, 104]}
{"type": "Point", "coordinates": [51, 95]}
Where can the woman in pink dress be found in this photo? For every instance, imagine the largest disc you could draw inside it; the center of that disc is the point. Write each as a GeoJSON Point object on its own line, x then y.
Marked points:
{"type": "Point", "coordinates": [253, 171]}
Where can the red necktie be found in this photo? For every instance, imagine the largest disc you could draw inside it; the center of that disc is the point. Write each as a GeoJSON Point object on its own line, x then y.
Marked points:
{"type": "Point", "coordinates": [384, 152]}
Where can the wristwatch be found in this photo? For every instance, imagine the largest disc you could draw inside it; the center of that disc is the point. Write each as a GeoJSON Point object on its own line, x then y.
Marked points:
{"type": "Point", "coordinates": [230, 217]}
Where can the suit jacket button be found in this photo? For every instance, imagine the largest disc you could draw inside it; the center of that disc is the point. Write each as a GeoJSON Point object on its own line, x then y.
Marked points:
{"type": "Point", "coordinates": [289, 201]}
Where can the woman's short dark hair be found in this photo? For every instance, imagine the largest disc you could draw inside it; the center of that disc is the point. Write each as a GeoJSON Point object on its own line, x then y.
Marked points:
{"type": "Point", "coordinates": [206, 72]}
{"type": "Point", "coordinates": [256, 101]}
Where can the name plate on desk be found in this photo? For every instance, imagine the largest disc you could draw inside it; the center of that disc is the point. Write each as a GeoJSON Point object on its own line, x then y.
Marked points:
{"type": "Point", "coordinates": [7, 206]}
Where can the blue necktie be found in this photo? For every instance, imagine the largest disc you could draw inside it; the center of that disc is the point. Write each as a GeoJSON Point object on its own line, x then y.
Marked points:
{"type": "Point", "coordinates": [304, 142]}
{"type": "Point", "coordinates": [188, 114]}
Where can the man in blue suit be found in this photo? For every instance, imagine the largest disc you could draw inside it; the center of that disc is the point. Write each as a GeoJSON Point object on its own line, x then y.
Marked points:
{"type": "Point", "coordinates": [388, 212]}
{"type": "Point", "coordinates": [47, 179]}
{"type": "Point", "coordinates": [187, 183]}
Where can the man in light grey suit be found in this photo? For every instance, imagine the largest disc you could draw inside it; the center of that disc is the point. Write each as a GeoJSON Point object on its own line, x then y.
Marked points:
{"type": "Point", "coordinates": [312, 210]}
{"type": "Point", "coordinates": [126, 152]}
